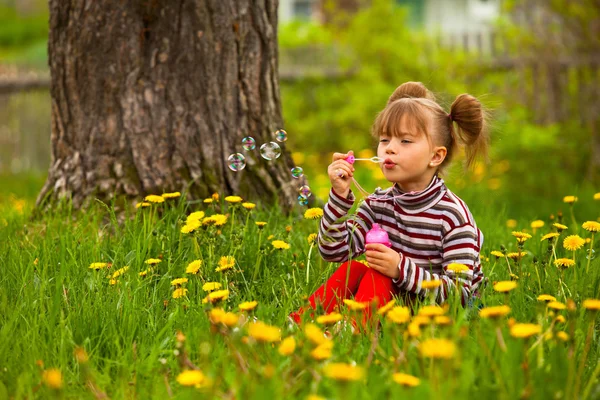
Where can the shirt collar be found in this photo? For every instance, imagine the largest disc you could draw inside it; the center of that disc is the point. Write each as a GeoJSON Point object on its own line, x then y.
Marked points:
{"type": "Point", "coordinates": [416, 202]}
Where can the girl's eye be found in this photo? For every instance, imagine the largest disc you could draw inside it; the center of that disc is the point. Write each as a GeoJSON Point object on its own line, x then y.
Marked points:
{"type": "Point", "coordinates": [383, 140]}
{"type": "Point", "coordinates": [406, 141]}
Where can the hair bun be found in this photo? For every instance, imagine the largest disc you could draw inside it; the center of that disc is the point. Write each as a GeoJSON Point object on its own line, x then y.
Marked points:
{"type": "Point", "coordinates": [411, 90]}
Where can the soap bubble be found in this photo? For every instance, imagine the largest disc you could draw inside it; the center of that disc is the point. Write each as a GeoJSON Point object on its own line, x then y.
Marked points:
{"type": "Point", "coordinates": [248, 143]}
{"type": "Point", "coordinates": [591, 254]}
{"type": "Point", "coordinates": [270, 151]}
{"type": "Point", "coordinates": [302, 200]}
{"type": "Point", "coordinates": [236, 162]}
{"type": "Point", "coordinates": [305, 191]}
{"type": "Point", "coordinates": [297, 172]}
{"type": "Point", "coordinates": [281, 135]}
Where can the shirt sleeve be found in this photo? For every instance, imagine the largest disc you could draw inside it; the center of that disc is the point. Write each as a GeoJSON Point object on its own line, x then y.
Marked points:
{"type": "Point", "coordinates": [460, 245]}
{"type": "Point", "coordinates": [342, 236]}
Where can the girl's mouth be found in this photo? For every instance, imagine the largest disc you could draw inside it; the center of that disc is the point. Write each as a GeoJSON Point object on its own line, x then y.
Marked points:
{"type": "Point", "coordinates": [389, 164]}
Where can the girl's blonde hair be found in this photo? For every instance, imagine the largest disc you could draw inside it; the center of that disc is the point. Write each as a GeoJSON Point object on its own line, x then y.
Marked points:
{"type": "Point", "coordinates": [414, 101]}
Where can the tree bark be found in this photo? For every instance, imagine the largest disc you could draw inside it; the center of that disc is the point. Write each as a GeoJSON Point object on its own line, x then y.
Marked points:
{"type": "Point", "coordinates": [150, 96]}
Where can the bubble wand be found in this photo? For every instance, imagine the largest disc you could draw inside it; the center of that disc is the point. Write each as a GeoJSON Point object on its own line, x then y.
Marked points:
{"type": "Point", "coordinates": [351, 160]}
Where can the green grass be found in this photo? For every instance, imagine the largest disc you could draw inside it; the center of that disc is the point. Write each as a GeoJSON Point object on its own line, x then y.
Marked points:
{"type": "Point", "coordinates": [51, 303]}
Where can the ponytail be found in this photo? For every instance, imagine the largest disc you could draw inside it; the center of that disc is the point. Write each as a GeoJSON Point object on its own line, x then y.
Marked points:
{"type": "Point", "coordinates": [472, 131]}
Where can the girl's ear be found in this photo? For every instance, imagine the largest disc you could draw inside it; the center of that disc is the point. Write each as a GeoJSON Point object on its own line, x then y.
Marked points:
{"type": "Point", "coordinates": [438, 156]}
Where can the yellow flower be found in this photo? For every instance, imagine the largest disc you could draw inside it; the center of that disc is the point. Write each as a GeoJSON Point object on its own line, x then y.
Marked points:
{"type": "Point", "coordinates": [312, 238]}
{"type": "Point", "coordinates": [313, 396]}
{"type": "Point", "coordinates": [193, 267]}
{"type": "Point", "coordinates": [248, 206]}
{"type": "Point", "coordinates": [390, 304]}
{"type": "Point", "coordinates": [524, 330]}
{"type": "Point", "coordinates": [591, 304]}
{"type": "Point", "coordinates": [521, 236]}
{"type": "Point", "coordinates": [437, 348]}
{"type": "Point", "coordinates": [177, 293]}
{"type": "Point", "coordinates": [406, 380]}
{"type": "Point", "coordinates": [537, 224]}
{"type": "Point", "coordinates": [564, 336]}
{"type": "Point", "coordinates": [189, 228]}
{"type": "Point", "coordinates": [120, 272]}
{"type": "Point", "coordinates": [152, 261]}
{"type": "Point", "coordinates": [81, 355]}
{"type": "Point", "coordinates": [511, 223]}
{"type": "Point", "coordinates": [546, 297]}
{"type": "Point", "coordinates": [210, 286]}
{"type": "Point", "coordinates": [573, 242]}
{"type": "Point", "coordinates": [570, 199]}
{"type": "Point", "coordinates": [280, 244]}
{"type": "Point", "coordinates": [260, 224]}
{"type": "Point", "coordinates": [219, 316]}
{"type": "Point", "coordinates": [287, 346]}
{"type": "Point", "coordinates": [344, 372]}
{"type": "Point", "coordinates": [98, 265]}
{"type": "Point", "coordinates": [596, 196]}
{"type": "Point", "coordinates": [233, 199]}
{"type": "Point", "coordinates": [494, 312]}
{"type": "Point", "coordinates": [172, 195]}
{"type": "Point", "coordinates": [355, 305]}
{"type": "Point", "coordinates": [560, 227]}
{"type": "Point", "coordinates": [560, 319]}
{"type": "Point", "coordinates": [146, 271]}
{"type": "Point", "coordinates": [564, 262]}
{"type": "Point", "coordinates": [442, 320]}
{"type": "Point", "coordinates": [550, 236]}
{"type": "Point", "coordinates": [218, 295]}
{"type": "Point", "coordinates": [591, 226]}
{"type": "Point", "coordinates": [431, 284]}
{"type": "Point", "coordinates": [52, 378]}
{"type": "Point", "coordinates": [215, 196]}
{"type": "Point", "coordinates": [195, 216]}
{"type": "Point", "coordinates": [152, 198]}
{"type": "Point", "coordinates": [248, 305]}
{"type": "Point", "coordinates": [225, 263]}
{"type": "Point", "coordinates": [314, 334]}
{"type": "Point", "coordinates": [178, 281]}
{"type": "Point", "coordinates": [191, 378]}
{"type": "Point", "coordinates": [399, 315]}
{"type": "Point", "coordinates": [421, 320]}
{"type": "Point", "coordinates": [516, 255]}
{"type": "Point", "coordinates": [322, 351]}
{"type": "Point", "coordinates": [207, 201]}
{"type": "Point", "coordinates": [497, 253]}
{"type": "Point", "coordinates": [329, 319]}
{"type": "Point", "coordinates": [414, 330]}
{"type": "Point", "coordinates": [556, 305]}
{"type": "Point", "coordinates": [143, 204]}
{"type": "Point", "coordinates": [313, 213]}
{"type": "Point", "coordinates": [262, 332]}
{"type": "Point", "coordinates": [457, 268]}
{"type": "Point", "coordinates": [505, 286]}
{"type": "Point", "coordinates": [431, 311]}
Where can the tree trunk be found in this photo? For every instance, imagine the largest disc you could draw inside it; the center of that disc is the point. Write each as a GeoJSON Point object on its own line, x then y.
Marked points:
{"type": "Point", "coordinates": [153, 96]}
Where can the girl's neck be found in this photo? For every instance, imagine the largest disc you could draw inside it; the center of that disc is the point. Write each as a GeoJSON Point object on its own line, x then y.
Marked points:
{"type": "Point", "coordinates": [418, 186]}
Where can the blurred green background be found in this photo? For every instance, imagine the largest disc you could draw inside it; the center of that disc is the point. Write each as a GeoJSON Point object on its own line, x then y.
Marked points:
{"type": "Point", "coordinates": [533, 64]}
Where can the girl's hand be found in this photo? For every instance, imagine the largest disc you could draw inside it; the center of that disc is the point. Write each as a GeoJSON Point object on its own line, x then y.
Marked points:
{"type": "Point", "coordinates": [340, 173]}
{"type": "Point", "coordinates": [383, 259]}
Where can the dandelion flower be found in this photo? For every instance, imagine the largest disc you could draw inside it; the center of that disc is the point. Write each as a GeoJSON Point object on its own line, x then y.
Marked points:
{"type": "Point", "coordinates": [597, 196]}
{"type": "Point", "coordinates": [152, 198]}
{"type": "Point", "coordinates": [437, 348]}
{"type": "Point", "coordinates": [355, 305]}
{"type": "Point", "coordinates": [329, 319]}
{"type": "Point", "coordinates": [195, 216]}
{"type": "Point", "coordinates": [287, 346]}
{"type": "Point", "coordinates": [248, 305]}
{"type": "Point", "coordinates": [145, 272]}
{"type": "Point", "coordinates": [191, 378]}
{"type": "Point", "coordinates": [343, 372]}
{"type": "Point", "coordinates": [505, 286]}
{"type": "Point", "coordinates": [550, 236]}
{"type": "Point", "coordinates": [521, 236]}
{"type": "Point", "coordinates": [225, 263]}
{"type": "Point", "coordinates": [511, 223]}
{"type": "Point", "coordinates": [494, 312]}
{"type": "Point", "coordinates": [52, 378]}
{"type": "Point", "coordinates": [497, 254]}
{"type": "Point", "coordinates": [591, 304]}
{"type": "Point", "coordinates": [210, 286]}
{"type": "Point", "coordinates": [143, 204]}
{"type": "Point", "coordinates": [177, 293]}
{"type": "Point", "coordinates": [537, 224]}
{"type": "Point", "coordinates": [556, 305]}
{"type": "Point", "coordinates": [322, 351]}
{"type": "Point", "coordinates": [570, 199]}
{"type": "Point", "coordinates": [432, 284]}
{"type": "Point", "coordinates": [560, 319]}
{"type": "Point", "coordinates": [573, 242]}
{"type": "Point", "coordinates": [442, 320]}
{"type": "Point", "coordinates": [218, 295]}
{"type": "Point", "coordinates": [414, 330]}
{"type": "Point", "coordinates": [120, 272]}
{"type": "Point", "coordinates": [190, 227]}
{"type": "Point", "coordinates": [523, 331]}
{"type": "Point", "coordinates": [207, 201]}
{"type": "Point", "coordinates": [560, 227]}
{"type": "Point", "coordinates": [457, 268]}
{"type": "Point", "coordinates": [98, 265]}
{"type": "Point", "coordinates": [248, 206]}
{"type": "Point", "coordinates": [312, 238]}
{"type": "Point", "coordinates": [152, 261]}
{"type": "Point", "coordinates": [172, 195]}
{"type": "Point", "coordinates": [431, 311]}
{"type": "Point", "coordinates": [564, 262]}
{"type": "Point", "coordinates": [546, 297]}
{"type": "Point", "coordinates": [406, 379]}
{"type": "Point", "coordinates": [219, 316]}
{"type": "Point", "coordinates": [591, 226]}
{"type": "Point", "coordinates": [233, 199]}
{"type": "Point", "coordinates": [260, 224]}
{"type": "Point", "coordinates": [387, 307]}
{"type": "Point", "coordinates": [193, 267]}
{"type": "Point", "coordinates": [280, 245]}
{"type": "Point", "coordinates": [399, 315]}
{"type": "Point", "coordinates": [262, 332]}
{"type": "Point", "coordinates": [314, 334]}
{"type": "Point", "coordinates": [564, 336]}
{"type": "Point", "coordinates": [179, 281]}
{"type": "Point", "coordinates": [313, 213]}
{"type": "Point", "coordinates": [516, 255]}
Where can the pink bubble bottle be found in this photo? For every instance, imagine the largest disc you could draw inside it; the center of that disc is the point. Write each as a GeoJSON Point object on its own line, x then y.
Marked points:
{"type": "Point", "coordinates": [378, 235]}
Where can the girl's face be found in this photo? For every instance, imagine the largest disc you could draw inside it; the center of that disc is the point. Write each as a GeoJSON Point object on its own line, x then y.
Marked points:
{"type": "Point", "coordinates": [410, 160]}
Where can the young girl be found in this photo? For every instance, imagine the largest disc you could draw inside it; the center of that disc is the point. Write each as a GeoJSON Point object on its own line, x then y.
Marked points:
{"type": "Point", "coordinates": [428, 225]}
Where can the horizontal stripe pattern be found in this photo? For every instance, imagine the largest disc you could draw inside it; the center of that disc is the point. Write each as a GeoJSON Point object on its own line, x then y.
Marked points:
{"type": "Point", "coordinates": [430, 229]}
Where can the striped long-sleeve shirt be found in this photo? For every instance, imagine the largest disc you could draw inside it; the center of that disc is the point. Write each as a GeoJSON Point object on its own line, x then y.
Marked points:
{"type": "Point", "coordinates": [429, 229]}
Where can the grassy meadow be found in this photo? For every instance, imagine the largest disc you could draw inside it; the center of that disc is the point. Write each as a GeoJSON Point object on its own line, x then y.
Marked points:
{"type": "Point", "coordinates": [184, 300]}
